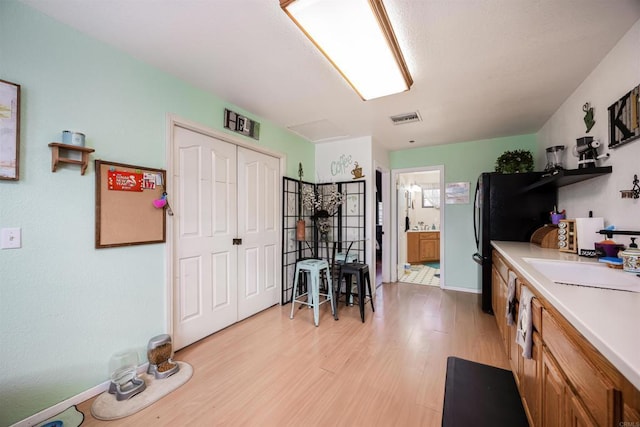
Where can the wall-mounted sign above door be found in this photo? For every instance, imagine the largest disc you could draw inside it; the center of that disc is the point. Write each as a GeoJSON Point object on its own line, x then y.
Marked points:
{"type": "Point", "coordinates": [241, 124]}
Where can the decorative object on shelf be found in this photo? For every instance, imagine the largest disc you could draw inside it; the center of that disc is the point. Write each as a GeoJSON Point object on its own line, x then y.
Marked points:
{"type": "Point", "coordinates": [588, 117]}
{"type": "Point", "coordinates": [634, 193]}
{"type": "Point", "coordinates": [357, 171]}
{"type": "Point", "coordinates": [324, 202]}
{"type": "Point", "coordinates": [70, 137]}
{"type": "Point", "coordinates": [624, 119]}
{"type": "Point", "coordinates": [300, 224]}
{"type": "Point", "coordinates": [515, 161]}
{"type": "Point", "coordinates": [586, 149]}
{"type": "Point", "coordinates": [10, 130]}
{"type": "Point", "coordinates": [554, 158]}
{"type": "Point", "coordinates": [241, 124]}
{"type": "Point", "coordinates": [57, 158]}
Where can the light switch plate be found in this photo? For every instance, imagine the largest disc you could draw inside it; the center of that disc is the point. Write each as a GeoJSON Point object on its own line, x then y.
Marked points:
{"type": "Point", "coordinates": [10, 238]}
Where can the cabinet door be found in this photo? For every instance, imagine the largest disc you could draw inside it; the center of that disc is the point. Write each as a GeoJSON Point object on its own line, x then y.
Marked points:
{"type": "Point", "coordinates": [553, 393]}
{"type": "Point", "coordinates": [429, 250]}
{"type": "Point", "coordinates": [413, 247]}
{"type": "Point", "coordinates": [529, 374]}
{"type": "Point", "coordinates": [495, 290]}
{"type": "Point", "coordinates": [576, 414]}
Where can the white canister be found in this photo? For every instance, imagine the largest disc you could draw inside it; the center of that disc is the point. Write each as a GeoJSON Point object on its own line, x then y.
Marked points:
{"type": "Point", "coordinates": [630, 260]}
{"type": "Point", "coordinates": [73, 138]}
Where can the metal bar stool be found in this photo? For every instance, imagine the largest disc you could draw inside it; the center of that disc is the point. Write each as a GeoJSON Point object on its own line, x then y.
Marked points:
{"type": "Point", "coordinates": [361, 272]}
{"type": "Point", "coordinates": [314, 268]}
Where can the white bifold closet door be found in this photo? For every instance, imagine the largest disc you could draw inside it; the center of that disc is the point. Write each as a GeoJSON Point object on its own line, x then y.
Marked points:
{"type": "Point", "coordinates": [224, 193]}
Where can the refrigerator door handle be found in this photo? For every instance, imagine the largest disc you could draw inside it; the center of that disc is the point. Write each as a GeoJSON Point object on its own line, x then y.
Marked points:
{"type": "Point", "coordinates": [476, 215]}
{"type": "Point", "coordinates": [479, 259]}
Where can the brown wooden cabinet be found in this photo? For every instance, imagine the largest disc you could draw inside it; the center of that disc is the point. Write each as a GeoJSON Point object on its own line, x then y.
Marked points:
{"type": "Point", "coordinates": [567, 382]}
{"type": "Point", "coordinates": [553, 392]}
{"type": "Point", "coordinates": [423, 246]}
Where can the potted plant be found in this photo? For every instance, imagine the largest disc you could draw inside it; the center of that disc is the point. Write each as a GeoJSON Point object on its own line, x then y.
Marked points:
{"type": "Point", "coordinates": [515, 161]}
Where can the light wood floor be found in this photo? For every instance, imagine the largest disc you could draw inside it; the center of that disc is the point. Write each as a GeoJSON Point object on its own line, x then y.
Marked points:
{"type": "Point", "coordinates": [269, 370]}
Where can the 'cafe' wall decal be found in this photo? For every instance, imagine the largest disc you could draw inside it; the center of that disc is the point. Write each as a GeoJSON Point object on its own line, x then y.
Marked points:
{"type": "Point", "coordinates": [341, 165]}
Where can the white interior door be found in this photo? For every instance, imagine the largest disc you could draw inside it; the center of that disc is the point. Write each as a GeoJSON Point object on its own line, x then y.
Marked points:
{"type": "Point", "coordinates": [258, 215]}
{"type": "Point", "coordinates": [222, 192]}
{"type": "Point", "coordinates": [205, 274]}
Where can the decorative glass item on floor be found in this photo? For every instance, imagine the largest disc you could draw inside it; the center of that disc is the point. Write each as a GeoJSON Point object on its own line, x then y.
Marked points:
{"type": "Point", "coordinates": [159, 353]}
{"type": "Point", "coordinates": [125, 382]}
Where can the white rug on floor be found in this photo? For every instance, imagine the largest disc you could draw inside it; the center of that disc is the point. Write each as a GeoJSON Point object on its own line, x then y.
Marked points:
{"type": "Point", "coordinates": [422, 275]}
{"type": "Point", "coordinates": [106, 407]}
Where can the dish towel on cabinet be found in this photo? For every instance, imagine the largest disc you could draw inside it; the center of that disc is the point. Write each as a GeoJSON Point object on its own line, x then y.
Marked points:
{"type": "Point", "coordinates": [525, 323]}
{"type": "Point", "coordinates": [511, 299]}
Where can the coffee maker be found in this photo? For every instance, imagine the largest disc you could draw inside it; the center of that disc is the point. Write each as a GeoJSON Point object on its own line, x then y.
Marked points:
{"type": "Point", "coordinates": [586, 150]}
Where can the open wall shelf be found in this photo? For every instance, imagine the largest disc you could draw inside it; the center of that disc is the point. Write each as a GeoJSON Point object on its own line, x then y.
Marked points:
{"type": "Point", "coordinates": [56, 158]}
{"type": "Point", "coordinates": [563, 177]}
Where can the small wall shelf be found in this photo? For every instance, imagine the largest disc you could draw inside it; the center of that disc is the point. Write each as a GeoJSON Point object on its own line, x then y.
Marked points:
{"type": "Point", "coordinates": [563, 177]}
{"type": "Point", "coordinates": [55, 156]}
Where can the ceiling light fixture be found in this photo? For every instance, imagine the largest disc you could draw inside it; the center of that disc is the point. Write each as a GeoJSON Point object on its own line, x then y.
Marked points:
{"type": "Point", "coordinates": [357, 38]}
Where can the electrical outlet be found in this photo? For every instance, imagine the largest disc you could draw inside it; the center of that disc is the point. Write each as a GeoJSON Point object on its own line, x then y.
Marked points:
{"type": "Point", "coordinates": [11, 238]}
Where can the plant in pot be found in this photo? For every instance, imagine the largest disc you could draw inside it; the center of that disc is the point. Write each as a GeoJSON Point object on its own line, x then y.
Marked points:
{"type": "Point", "coordinates": [515, 161]}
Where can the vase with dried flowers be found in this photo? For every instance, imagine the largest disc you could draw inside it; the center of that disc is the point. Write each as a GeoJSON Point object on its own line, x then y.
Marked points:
{"type": "Point", "coordinates": [324, 202]}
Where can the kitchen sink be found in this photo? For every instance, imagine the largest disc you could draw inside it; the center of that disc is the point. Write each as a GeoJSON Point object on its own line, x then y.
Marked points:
{"type": "Point", "coordinates": [586, 274]}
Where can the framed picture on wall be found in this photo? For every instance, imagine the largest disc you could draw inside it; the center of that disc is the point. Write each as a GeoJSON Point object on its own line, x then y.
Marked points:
{"type": "Point", "coordinates": [9, 130]}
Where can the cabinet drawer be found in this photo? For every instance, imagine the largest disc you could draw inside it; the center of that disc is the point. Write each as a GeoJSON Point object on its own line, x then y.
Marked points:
{"type": "Point", "coordinates": [593, 388]}
{"type": "Point", "coordinates": [430, 236]}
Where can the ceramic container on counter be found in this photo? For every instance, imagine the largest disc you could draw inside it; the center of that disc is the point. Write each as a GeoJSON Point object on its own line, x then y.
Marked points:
{"type": "Point", "coordinates": [630, 260]}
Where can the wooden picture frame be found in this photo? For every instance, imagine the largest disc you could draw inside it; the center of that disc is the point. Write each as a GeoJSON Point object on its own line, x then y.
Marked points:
{"type": "Point", "coordinates": [624, 119]}
{"type": "Point", "coordinates": [9, 130]}
{"type": "Point", "coordinates": [126, 214]}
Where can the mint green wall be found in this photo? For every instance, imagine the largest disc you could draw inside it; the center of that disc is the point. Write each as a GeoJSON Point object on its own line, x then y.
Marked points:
{"type": "Point", "coordinates": [462, 162]}
{"type": "Point", "coordinates": [66, 307]}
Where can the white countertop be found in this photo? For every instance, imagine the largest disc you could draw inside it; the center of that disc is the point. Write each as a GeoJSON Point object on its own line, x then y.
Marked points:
{"type": "Point", "coordinates": [423, 231]}
{"type": "Point", "coordinates": [608, 319]}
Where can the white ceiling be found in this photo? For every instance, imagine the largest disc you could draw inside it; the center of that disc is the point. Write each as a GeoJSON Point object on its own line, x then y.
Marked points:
{"type": "Point", "coordinates": [481, 68]}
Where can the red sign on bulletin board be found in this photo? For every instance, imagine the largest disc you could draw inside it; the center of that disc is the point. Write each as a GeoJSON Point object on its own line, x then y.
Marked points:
{"type": "Point", "coordinates": [124, 181]}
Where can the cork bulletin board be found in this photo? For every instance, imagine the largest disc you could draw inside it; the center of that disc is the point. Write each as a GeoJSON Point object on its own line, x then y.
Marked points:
{"type": "Point", "coordinates": [125, 212]}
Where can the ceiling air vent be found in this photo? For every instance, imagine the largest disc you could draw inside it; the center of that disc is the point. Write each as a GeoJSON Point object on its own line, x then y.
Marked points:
{"type": "Point", "coordinates": [401, 119]}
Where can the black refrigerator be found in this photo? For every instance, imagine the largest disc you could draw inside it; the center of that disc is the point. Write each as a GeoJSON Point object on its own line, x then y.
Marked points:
{"type": "Point", "coordinates": [507, 207]}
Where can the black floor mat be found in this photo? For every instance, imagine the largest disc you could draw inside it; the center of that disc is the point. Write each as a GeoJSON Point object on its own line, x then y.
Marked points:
{"type": "Point", "coordinates": [480, 395]}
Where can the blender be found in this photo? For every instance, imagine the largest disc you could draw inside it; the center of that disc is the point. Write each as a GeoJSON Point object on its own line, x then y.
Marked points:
{"type": "Point", "coordinates": [554, 158]}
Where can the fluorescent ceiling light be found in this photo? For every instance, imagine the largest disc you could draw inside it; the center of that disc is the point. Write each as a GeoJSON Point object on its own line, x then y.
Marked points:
{"type": "Point", "coordinates": [357, 38]}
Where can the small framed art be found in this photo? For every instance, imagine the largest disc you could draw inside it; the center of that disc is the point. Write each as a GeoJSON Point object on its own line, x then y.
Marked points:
{"type": "Point", "coordinates": [9, 130]}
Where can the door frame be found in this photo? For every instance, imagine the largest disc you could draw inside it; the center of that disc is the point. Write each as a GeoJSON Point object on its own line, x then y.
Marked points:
{"type": "Point", "coordinates": [174, 120]}
{"type": "Point", "coordinates": [386, 222]}
{"type": "Point", "coordinates": [395, 218]}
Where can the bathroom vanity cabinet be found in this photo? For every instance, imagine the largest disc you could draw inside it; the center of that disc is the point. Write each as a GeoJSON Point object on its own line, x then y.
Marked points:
{"type": "Point", "coordinates": [423, 246]}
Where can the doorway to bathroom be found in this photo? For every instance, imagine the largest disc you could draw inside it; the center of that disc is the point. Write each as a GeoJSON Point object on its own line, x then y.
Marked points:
{"type": "Point", "coordinates": [420, 216]}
